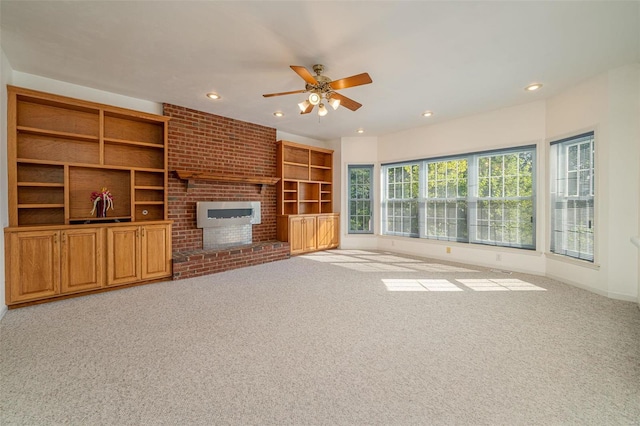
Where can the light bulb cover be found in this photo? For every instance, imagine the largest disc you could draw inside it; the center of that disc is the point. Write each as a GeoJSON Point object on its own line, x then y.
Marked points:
{"type": "Point", "coordinates": [335, 103]}
{"type": "Point", "coordinates": [322, 111]}
{"type": "Point", "coordinates": [314, 98]}
{"type": "Point", "coordinates": [304, 105]}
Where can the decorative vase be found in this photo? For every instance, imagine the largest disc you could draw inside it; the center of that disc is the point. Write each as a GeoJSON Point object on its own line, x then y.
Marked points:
{"type": "Point", "coordinates": [100, 210]}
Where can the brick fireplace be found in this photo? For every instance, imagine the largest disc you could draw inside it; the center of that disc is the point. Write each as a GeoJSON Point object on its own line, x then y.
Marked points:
{"type": "Point", "coordinates": [200, 141]}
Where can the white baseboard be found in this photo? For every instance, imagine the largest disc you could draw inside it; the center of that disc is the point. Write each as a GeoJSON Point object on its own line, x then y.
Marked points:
{"type": "Point", "coordinates": [609, 294]}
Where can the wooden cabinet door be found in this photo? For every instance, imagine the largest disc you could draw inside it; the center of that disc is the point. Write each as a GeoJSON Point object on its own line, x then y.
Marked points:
{"type": "Point", "coordinates": [34, 265]}
{"type": "Point", "coordinates": [302, 234]}
{"type": "Point", "coordinates": [309, 240]}
{"type": "Point", "coordinates": [296, 234]}
{"type": "Point", "coordinates": [82, 259]}
{"type": "Point", "coordinates": [335, 235]}
{"type": "Point", "coordinates": [156, 251]}
{"type": "Point", "coordinates": [328, 231]}
{"type": "Point", "coordinates": [324, 232]}
{"type": "Point", "coordinates": [123, 255]}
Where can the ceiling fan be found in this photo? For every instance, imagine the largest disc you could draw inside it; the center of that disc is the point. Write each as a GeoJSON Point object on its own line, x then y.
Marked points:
{"type": "Point", "coordinates": [321, 87]}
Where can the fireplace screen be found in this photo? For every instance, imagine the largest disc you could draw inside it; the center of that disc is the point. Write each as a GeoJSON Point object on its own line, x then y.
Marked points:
{"type": "Point", "coordinates": [225, 213]}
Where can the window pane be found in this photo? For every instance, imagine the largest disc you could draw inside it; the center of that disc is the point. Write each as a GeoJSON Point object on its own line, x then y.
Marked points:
{"type": "Point", "coordinates": [496, 187]}
{"type": "Point", "coordinates": [360, 202]}
{"type": "Point", "coordinates": [483, 167]}
{"type": "Point", "coordinates": [573, 198]}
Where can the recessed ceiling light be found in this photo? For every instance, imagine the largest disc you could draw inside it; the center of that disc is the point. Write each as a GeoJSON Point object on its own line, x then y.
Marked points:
{"type": "Point", "coordinates": [213, 95]}
{"type": "Point", "coordinates": [279, 114]}
{"type": "Point", "coordinates": [360, 131]}
{"type": "Point", "coordinates": [427, 113]}
{"type": "Point", "coordinates": [533, 86]}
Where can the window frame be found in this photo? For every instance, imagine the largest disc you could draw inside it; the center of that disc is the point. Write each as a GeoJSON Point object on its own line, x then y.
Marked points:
{"type": "Point", "coordinates": [400, 204]}
{"type": "Point", "coordinates": [559, 194]}
{"type": "Point", "coordinates": [472, 176]}
{"type": "Point", "coordinates": [370, 168]}
{"type": "Point", "coordinates": [446, 200]}
{"type": "Point", "coordinates": [477, 198]}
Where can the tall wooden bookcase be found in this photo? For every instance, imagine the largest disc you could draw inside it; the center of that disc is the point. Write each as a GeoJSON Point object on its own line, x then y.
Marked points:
{"type": "Point", "coordinates": [305, 198]}
{"type": "Point", "coordinates": [60, 150]}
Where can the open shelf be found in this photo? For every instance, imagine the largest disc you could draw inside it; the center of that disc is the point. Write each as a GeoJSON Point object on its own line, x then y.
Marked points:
{"type": "Point", "coordinates": [133, 143]}
{"type": "Point", "coordinates": [307, 173]}
{"type": "Point", "coordinates": [63, 135]}
{"type": "Point", "coordinates": [33, 146]}
{"type": "Point", "coordinates": [34, 112]}
{"type": "Point", "coordinates": [62, 149]}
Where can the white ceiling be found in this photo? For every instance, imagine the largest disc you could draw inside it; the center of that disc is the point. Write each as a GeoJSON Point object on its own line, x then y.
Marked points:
{"type": "Point", "coordinates": [455, 58]}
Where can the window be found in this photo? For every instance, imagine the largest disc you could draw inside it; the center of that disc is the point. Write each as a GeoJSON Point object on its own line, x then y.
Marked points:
{"type": "Point", "coordinates": [400, 207]}
{"type": "Point", "coordinates": [504, 204]}
{"type": "Point", "coordinates": [446, 200]}
{"type": "Point", "coordinates": [360, 199]}
{"type": "Point", "coordinates": [483, 198]}
{"type": "Point", "coordinates": [572, 197]}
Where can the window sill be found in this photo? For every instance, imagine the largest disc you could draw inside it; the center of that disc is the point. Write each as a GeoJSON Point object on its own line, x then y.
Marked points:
{"type": "Point", "coordinates": [577, 262]}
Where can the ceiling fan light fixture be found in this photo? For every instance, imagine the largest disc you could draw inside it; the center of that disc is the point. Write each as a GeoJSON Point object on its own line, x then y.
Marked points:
{"type": "Point", "coordinates": [314, 98]}
{"type": "Point", "coordinates": [335, 103]}
{"type": "Point", "coordinates": [322, 110]}
{"type": "Point", "coordinates": [304, 105]}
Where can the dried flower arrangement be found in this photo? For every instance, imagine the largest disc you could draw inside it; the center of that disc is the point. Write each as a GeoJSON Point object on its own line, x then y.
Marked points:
{"type": "Point", "coordinates": [102, 201]}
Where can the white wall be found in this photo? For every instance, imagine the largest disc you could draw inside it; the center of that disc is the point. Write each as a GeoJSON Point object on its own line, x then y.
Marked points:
{"type": "Point", "coordinates": [608, 104]}
{"type": "Point", "coordinates": [364, 151]}
{"type": "Point", "coordinates": [30, 81]}
{"type": "Point", "coordinates": [5, 78]}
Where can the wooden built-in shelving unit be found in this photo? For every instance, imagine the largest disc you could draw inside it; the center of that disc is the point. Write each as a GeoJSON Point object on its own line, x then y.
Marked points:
{"type": "Point", "coordinates": [60, 150]}
{"type": "Point", "coordinates": [305, 188]}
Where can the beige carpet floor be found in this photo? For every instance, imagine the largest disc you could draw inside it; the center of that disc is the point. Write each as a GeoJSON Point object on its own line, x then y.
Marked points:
{"type": "Point", "coordinates": [334, 338]}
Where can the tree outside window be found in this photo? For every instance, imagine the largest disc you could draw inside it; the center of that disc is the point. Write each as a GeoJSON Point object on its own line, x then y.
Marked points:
{"type": "Point", "coordinates": [360, 199]}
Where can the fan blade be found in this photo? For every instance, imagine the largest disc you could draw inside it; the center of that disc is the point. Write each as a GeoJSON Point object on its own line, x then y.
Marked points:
{"type": "Point", "coordinates": [346, 102]}
{"type": "Point", "coordinates": [305, 74]}
{"type": "Point", "coordinates": [268, 95]}
{"type": "Point", "coordinates": [354, 80]}
{"type": "Point", "coordinates": [308, 110]}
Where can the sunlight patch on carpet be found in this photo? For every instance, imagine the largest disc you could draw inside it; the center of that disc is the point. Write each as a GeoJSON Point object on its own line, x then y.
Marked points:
{"type": "Point", "coordinates": [420, 285]}
{"type": "Point", "coordinates": [506, 284]}
{"type": "Point", "coordinates": [388, 259]}
{"type": "Point", "coordinates": [373, 267]}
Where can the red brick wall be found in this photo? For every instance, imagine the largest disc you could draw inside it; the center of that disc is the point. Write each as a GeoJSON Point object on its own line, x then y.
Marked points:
{"type": "Point", "coordinates": [198, 263]}
{"type": "Point", "coordinates": [201, 141]}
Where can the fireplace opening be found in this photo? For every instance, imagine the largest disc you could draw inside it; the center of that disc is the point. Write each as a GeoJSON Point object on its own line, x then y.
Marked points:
{"type": "Point", "coordinates": [228, 213]}
{"type": "Point", "coordinates": [227, 223]}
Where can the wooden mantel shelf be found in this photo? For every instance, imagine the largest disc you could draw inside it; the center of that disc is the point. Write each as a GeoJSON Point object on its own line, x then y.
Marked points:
{"type": "Point", "coordinates": [190, 175]}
